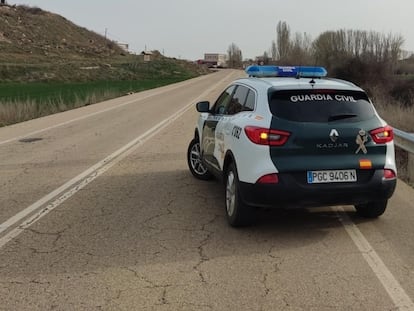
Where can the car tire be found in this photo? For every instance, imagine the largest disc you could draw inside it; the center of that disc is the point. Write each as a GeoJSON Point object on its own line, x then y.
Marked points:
{"type": "Point", "coordinates": [238, 213]}
{"type": "Point", "coordinates": [195, 164]}
{"type": "Point", "coordinates": [372, 209]}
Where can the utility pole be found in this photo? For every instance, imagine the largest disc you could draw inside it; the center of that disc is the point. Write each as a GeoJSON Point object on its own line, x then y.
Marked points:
{"type": "Point", "coordinates": [106, 31]}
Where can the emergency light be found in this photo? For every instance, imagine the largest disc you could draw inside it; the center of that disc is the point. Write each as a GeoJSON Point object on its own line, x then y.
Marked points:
{"type": "Point", "coordinates": [286, 71]}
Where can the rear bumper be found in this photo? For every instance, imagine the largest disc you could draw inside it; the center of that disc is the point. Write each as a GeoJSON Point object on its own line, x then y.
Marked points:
{"type": "Point", "coordinates": [294, 191]}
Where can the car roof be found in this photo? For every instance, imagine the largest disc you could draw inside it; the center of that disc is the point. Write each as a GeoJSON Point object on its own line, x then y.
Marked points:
{"type": "Point", "coordinates": [287, 83]}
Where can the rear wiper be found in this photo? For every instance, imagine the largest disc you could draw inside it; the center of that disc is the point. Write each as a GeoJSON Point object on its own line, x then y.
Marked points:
{"type": "Point", "coordinates": [341, 116]}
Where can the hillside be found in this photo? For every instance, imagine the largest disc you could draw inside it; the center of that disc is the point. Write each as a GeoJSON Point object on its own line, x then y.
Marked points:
{"type": "Point", "coordinates": [37, 45]}
{"type": "Point", "coordinates": [31, 33]}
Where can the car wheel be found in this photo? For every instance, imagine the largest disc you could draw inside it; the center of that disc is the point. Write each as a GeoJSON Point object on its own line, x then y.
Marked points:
{"type": "Point", "coordinates": [196, 166]}
{"type": "Point", "coordinates": [372, 209]}
{"type": "Point", "coordinates": [238, 213]}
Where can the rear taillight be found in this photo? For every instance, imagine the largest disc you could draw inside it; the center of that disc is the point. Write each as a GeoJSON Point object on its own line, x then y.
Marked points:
{"type": "Point", "coordinates": [382, 135]}
{"type": "Point", "coordinates": [263, 136]}
{"type": "Point", "coordinates": [389, 174]}
{"type": "Point", "coordinates": [268, 179]}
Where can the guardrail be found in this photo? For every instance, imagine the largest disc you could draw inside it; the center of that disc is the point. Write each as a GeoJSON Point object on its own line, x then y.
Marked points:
{"type": "Point", "coordinates": [405, 141]}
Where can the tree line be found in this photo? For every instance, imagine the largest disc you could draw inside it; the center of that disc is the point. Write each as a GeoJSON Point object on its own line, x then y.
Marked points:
{"type": "Point", "coordinates": [330, 49]}
{"type": "Point", "coordinates": [350, 54]}
{"type": "Point", "coordinates": [368, 58]}
{"type": "Point", "coordinates": [333, 45]}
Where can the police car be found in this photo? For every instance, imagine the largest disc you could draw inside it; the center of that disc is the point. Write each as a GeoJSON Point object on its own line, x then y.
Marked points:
{"type": "Point", "coordinates": [291, 137]}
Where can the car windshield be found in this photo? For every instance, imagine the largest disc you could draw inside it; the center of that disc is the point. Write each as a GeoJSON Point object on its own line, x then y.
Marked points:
{"type": "Point", "coordinates": [320, 105]}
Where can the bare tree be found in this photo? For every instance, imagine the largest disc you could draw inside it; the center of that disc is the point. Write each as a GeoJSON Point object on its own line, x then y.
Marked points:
{"type": "Point", "coordinates": [283, 40]}
{"type": "Point", "coordinates": [301, 49]}
{"type": "Point", "coordinates": [273, 51]}
{"type": "Point", "coordinates": [364, 57]}
{"type": "Point", "coordinates": [3, 2]}
{"type": "Point", "coordinates": [325, 48]}
{"type": "Point", "coordinates": [265, 58]}
{"type": "Point", "coordinates": [330, 47]}
{"type": "Point", "coordinates": [287, 50]}
{"type": "Point", "coordinates": [235, 58]}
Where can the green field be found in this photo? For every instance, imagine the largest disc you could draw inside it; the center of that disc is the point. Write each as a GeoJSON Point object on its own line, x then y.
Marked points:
{"type": "Point", "coordinates": [67, 93]}
{"type": "Point", "coordinates": [24, 101]}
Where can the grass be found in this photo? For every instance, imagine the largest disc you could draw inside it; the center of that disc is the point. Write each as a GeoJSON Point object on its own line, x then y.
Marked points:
{"type": "Point", "coordinates": [24, 101]}
{"type": "Point", "coordinates": [394, 112]}
{"type": "Point", "coordinates": [398, 115]}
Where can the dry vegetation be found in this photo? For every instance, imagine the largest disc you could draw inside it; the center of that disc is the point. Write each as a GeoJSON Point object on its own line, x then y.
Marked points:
{"type": "Point", "coordinates": [400, 116]}
{"type": "Point", "coordinates": [396, 113]}
{"type": "Point", "coordinates": [14, 112]}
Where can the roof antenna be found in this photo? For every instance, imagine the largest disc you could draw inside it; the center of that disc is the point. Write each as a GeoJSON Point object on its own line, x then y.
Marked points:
{"type": "Point", "coordinates": [312, 82]}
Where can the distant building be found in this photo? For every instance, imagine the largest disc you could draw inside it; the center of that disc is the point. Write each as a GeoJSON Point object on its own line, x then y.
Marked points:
{"type": "Point", "coordinates": [124, 46]}
{"type": "Point", "coordinates": [147, 56]}
{"type": "Point", "coordinates": [215, 59]}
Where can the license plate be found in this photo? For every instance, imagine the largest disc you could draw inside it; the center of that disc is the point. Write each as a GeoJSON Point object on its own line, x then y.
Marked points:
{"type": "Point", "coordinates": [323, 177]}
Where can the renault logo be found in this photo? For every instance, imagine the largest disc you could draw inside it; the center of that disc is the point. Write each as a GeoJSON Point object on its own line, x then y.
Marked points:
{"type": "Point", "coordinates": [334, 135]}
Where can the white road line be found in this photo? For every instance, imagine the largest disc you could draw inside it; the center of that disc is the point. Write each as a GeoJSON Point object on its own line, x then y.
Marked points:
{"type": "Point", "coordinates": [77, 183]}
{"type": "Point", "coordinates": [165, 90]}
{"type": "Point", "coordinates": [398, 295]}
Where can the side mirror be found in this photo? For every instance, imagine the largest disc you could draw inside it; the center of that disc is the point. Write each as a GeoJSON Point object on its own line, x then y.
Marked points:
{"type": "Point", "coordinates": [203, 106]}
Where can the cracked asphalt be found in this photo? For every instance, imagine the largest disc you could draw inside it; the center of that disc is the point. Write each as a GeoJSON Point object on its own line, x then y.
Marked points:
{"type": "Point", "coordinates": [146, 235]}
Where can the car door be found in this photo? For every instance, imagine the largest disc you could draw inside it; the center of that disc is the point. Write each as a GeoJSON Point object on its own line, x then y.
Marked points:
{"type": "Point", "coordinates": [228, 129]}
{"type": "Point", "coordinates": [209, 130]}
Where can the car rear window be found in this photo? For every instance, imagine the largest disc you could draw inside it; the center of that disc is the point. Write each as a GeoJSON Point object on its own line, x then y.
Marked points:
{"type": "Point", "coordinates": [321, 105]}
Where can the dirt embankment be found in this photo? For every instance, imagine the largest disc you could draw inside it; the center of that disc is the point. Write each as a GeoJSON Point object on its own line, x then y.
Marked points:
{"type": "Point", "coordinates": [33, 34]}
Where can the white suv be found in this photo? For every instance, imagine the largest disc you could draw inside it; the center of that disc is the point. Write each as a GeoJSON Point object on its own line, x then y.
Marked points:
{"type": "Point", "coordinates": [290, 137]}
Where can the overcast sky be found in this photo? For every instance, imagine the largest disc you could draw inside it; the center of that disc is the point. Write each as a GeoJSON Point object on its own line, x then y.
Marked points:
{"type": "Point", "coordinates": [189, 28]}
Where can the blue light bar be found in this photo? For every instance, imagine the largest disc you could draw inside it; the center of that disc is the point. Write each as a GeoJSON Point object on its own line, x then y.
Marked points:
{"type": "Point", "coordinates": [286, 71]}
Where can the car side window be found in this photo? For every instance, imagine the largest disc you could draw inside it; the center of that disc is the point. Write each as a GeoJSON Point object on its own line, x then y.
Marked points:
{"type": "Point", "coordinates": [222, 102]}
{"type": "Point", "coordinates": [237, 101]}
{"type": "Point", "coordinates": [250, 101]}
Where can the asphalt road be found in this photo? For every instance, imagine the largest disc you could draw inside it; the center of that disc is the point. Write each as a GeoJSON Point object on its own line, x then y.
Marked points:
{"type": "Point", "coordinates": [98, 211]}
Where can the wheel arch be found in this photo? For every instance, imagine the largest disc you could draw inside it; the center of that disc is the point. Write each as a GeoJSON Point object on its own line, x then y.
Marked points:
{"type": "Point", "coordinates": [228, 159]}
{"type": "Point", "coordinates": [196, 134]}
